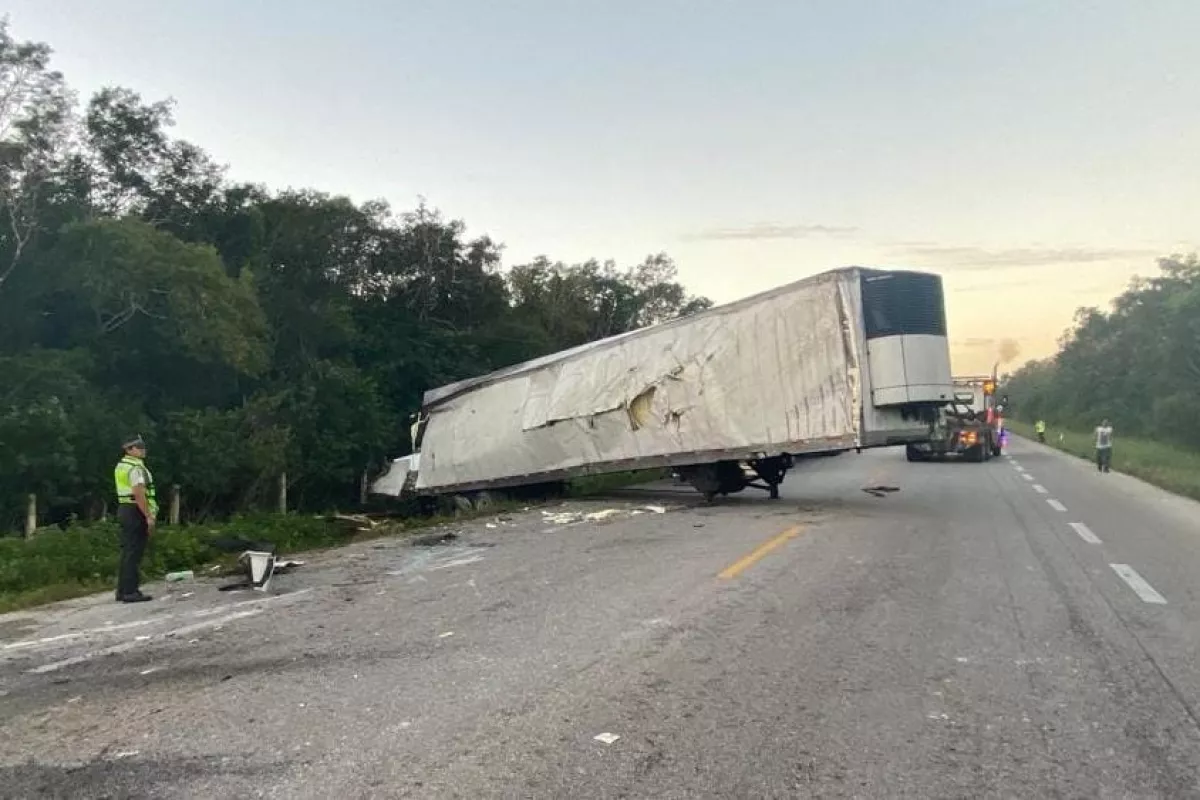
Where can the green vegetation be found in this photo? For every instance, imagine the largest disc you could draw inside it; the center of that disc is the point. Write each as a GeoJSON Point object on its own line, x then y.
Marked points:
{"type": "Point", "coordinates": [598, 484]}
{"type": "Point", "coordinates": [1138, 365]}
{"type": "Point", "coordinates": [246, 333]}
{"type": "Point", "coordinates": [1173, 468]}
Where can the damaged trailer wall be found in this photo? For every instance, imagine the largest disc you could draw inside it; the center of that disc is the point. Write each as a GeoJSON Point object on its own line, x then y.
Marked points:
{"type": "Point", "coordinates": [773, 373]}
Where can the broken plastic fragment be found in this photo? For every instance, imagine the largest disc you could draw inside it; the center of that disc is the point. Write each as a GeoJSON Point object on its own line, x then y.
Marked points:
{"type": "Point", "coordinates": [606, 738]}
{"type": "Point", "coordinates": [657, 509]}
{"type": "Point", "coordinates": [445, 635]}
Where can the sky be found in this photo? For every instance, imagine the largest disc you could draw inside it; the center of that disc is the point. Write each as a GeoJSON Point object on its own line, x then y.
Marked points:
{"type": "Point", "coordinates": [1037, 155]}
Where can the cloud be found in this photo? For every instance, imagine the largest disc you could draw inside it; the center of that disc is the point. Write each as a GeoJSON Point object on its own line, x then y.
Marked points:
{"type": "Point", "coordinates": [770, 231]}
{"type": "Point", "coordinates": [970, 257]}
{"type": "Point", "coordinates": [1005, 349]}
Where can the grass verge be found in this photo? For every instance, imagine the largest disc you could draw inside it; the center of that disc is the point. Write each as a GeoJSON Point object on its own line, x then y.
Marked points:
{"type": "Point", "coordinates": [1172, 468]}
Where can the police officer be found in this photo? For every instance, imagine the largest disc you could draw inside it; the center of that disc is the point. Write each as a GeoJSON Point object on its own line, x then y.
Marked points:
{"type": "Point", "coordinates": [137, 508]}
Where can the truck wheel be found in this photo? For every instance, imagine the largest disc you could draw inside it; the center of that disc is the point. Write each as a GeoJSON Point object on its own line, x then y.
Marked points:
{"type": "Point", "coordinates": [913, 454]}
{"type": "Point", "coordinates": [975, 454]}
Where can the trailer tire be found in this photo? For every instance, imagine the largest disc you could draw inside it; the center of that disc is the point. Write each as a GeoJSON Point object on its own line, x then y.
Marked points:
{"type": "Point", "coordinates": [913, 454]}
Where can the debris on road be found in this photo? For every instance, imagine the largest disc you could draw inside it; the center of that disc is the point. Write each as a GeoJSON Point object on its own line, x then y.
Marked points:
{"type": "Point", "coordinates": [657, 509]}
{"type": "Point", "coordinates": [880, 491]}
{"type": "Point", "coordinates": [445, 635]}
{"type": "Point", "coordinates": [606, 738]}
{"type": "Point", "coordinates": [562, 517]}
{"type": "Point", "coordinates": [183, 575]}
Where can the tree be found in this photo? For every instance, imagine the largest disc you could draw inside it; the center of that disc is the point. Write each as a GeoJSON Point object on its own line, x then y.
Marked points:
{"type": "Point", "coordinates": [34, 123]}
{"type": "Point", "coordinates": [245, 332]}
{"type": "Point", "coordinates": [1137, 364]}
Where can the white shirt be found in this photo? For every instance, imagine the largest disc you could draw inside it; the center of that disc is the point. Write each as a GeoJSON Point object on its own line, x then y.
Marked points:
{"type": "Point", "coordinates": [137, 476]}
{"type": "Point", "coordinates": [1104, 436]}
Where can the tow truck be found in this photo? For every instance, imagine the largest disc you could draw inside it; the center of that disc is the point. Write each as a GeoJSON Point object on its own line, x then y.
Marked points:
{"type": "Point", "coordinates": [971, 427]}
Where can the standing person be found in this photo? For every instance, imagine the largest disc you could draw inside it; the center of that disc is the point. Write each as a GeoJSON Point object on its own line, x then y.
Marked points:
{"type": "Point", "coordinates": [137, 508]}
{"type": "Point", "coordinates": [1040, 430]}
{"type": "Point", "coordinates": [1104, 443]}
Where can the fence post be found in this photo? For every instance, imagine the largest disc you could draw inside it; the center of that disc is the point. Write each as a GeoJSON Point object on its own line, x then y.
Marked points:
{"type": "Point", "coordinates": [283, 492]}
{"type": "Point", "coordinates": [31, 516]}
{"type": "Point", "coordinates": [176, 501]}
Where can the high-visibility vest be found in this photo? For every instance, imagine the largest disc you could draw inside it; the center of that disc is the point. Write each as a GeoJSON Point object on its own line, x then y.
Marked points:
{"type": "Point", "coordinates": [1040, 427]}
{"type": "Point", "coordinates": [121, 475]}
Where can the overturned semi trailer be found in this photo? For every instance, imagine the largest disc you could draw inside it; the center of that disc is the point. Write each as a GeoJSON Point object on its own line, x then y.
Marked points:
{"type": "Point", "coordinates": [848, 359]}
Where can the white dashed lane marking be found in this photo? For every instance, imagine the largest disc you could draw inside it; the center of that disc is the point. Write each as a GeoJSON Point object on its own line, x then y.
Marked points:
{"type": "Point", "coordinates": [1057, 506]}
{"type": "Point", "coordinates": [1037, 487]}
{"type": "Point", "coordinates": [1139, 585]}
{"type": "Point", "coordinates": [1085, 533]}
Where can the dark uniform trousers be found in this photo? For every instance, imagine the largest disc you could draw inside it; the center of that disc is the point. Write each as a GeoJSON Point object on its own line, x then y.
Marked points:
{"type": "Point", "coordinates": [134, 533]}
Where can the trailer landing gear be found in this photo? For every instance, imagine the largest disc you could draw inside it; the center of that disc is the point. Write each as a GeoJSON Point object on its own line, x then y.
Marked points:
{"type": "Point", "coordinates": [729, 477]}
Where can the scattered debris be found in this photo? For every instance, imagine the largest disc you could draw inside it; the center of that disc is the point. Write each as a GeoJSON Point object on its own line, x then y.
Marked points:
{"type": "Point", "coordinates": [491, 525]}
{"type": "Point", "coordinates": [75, 699]}
{"type": "Point", "coordinates": [226, 678]}
{"type": "Point", "coordinates": [562, 517]}
{"type": "Point", "coordinates": [596, 516]}
{"type": "Point", "coordinates": [125, 754]}
{"type": "Point", "coordinates": [186, 595]}
{"type": "Point", "coordinates": [606, 738]}
{"type": "Point", "coordinates": [357, 522]}
{"type": "Point", "coordinates": [183, 575]}
{"type": "Point", "coordinates": [445, 635]}
{"type": "Point", "coordinates": [657, 509]}
{"type": "Point", "coordinates": [150, 671]}
{"type": "Point", "coordinates": [880, 491]}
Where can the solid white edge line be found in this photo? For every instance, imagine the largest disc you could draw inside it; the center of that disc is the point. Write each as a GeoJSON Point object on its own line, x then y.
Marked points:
{"type": "Point", "coordinates": [1139, 585]}
{"type": "Point", "coordinates": [1057, 506]}
{"type": "Point", "coordinates": [1037, 487]}
{"type": "Point", "coordinates": [1085, 533]}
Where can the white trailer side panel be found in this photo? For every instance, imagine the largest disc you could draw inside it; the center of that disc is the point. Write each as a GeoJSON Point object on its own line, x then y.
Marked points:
{"type": "Point", "coordinates": [770, 374]}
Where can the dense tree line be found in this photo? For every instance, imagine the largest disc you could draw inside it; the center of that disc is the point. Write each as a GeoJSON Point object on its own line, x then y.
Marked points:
{"type": "Point", "coordinates": [244, 332]}
{"type": "Point", "coordinates": [1137, 364]}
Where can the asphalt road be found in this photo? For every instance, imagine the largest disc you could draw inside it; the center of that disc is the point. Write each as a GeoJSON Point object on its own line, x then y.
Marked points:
{"type": "Point", "coordinates": [1024, 629]}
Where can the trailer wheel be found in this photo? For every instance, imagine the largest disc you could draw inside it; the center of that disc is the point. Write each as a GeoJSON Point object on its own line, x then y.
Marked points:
{"type": "Point", "coordinates": [913, 454]}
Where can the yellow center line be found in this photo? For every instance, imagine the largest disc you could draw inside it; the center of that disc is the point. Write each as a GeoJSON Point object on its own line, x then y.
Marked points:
{"type": "Point", "coordinates": [750, 559]}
